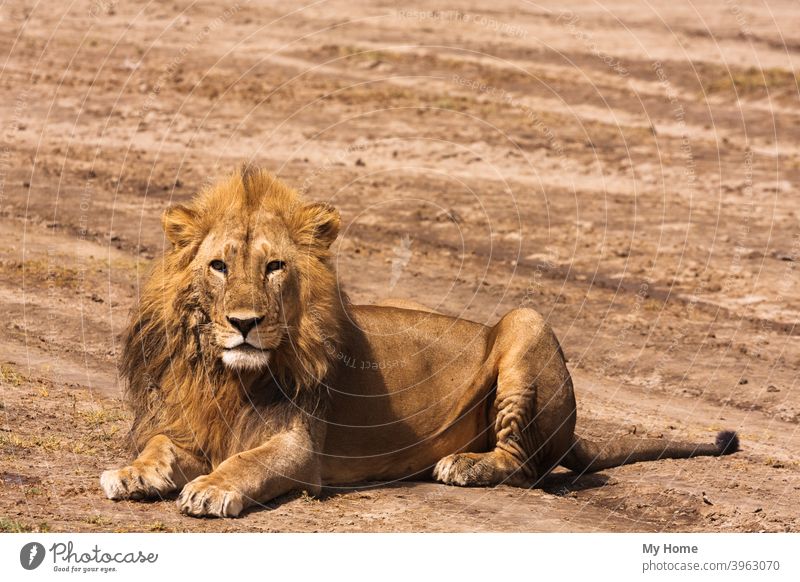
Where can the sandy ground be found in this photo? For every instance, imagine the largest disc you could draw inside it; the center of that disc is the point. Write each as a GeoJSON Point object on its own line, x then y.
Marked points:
{"type": "Point", "coordinates": [630, 169]}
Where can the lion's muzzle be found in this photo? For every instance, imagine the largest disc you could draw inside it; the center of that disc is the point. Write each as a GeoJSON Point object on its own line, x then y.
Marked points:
{"type": "Point", "coordinates": [249, 346]}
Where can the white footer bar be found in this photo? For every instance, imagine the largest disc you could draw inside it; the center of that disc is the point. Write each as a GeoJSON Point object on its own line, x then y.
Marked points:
{"type": "Point", "coordinates": [381, 557]}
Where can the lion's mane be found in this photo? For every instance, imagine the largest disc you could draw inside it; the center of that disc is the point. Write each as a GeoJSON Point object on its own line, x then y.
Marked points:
{"type": "Point", "coordinates": [172, 384]}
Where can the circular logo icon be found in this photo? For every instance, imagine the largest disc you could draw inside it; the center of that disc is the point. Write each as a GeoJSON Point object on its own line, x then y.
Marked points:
{"type": "Point", "coordinates": [31, 555]}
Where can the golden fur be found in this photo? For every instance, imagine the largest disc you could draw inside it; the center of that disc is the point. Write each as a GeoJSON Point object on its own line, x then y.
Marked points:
{"type": "Point", "coordinates": [250, 374]}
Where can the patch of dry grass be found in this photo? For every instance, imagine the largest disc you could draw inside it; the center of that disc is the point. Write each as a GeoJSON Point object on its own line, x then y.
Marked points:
{"type": "Point", "coordinates": [752, 81]}
{"type": "Point", "coordinates": [98, 520]}
{"type": "Point", "coordinates": [8, 525]}
{"type": "Point", "coordinates": [101, 416]}
{"type": "Point", "coordinates": [8, 375]}
{"type": "Point", "coordinates": [48, 443]}
{"type": "Point", "coordinates": [43, 271]}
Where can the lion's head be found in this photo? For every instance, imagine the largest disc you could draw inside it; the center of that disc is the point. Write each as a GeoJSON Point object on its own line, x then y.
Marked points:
{"type": "Point", "coordinates": [247, 291]}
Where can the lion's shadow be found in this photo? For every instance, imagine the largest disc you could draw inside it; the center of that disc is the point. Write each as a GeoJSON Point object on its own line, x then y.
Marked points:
{"type": "Point", "coordinates": [565, 482]}
{"type": "Point", "coordinates": [561, 484]}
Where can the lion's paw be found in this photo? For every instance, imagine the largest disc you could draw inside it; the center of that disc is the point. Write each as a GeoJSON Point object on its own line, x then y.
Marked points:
{"type": "Point", "coordinates": [479, 470]}
{"type": "Point", "coordinates": [135, 483]}
{"type": "Point", "coordinates": [456, 469]}
{"type": "Point", "coordinates": [206, 496]}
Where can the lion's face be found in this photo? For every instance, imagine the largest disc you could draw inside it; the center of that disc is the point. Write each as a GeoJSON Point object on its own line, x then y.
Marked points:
{"type": "Point", "coordinates": [253, 252]}
{"type": "Point", "coordinates": [246, 277]}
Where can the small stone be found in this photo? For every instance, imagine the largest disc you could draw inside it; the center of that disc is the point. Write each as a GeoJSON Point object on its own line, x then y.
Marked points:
{"type": "Point", "coordinates": [449, 214]}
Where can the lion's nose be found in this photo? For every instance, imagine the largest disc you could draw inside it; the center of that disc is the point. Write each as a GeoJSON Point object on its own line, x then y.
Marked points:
{"type": "Point", "coordinates": [245, 325]}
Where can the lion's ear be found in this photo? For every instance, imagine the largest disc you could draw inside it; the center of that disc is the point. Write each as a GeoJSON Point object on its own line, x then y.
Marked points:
{"type": "Point", "coordinates": [180, 224]}
{"type": "Point", "coordinates": [319, 224]}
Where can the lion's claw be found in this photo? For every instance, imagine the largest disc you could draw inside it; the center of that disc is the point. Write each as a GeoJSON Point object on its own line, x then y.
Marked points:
{"type": "Point", "coordinates": [206, 497]}
{"type": "Point", "coordinates": [134, 483]}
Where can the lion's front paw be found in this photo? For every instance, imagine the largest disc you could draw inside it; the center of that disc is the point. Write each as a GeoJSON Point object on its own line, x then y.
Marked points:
{"type": "Point", "coordinates": [208, 496]}
{"type": "Point", "coordinates": [135, 483]}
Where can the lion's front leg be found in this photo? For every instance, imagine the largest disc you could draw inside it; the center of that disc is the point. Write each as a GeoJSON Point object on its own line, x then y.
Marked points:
{"type": "Point", "coordinates": [162, 467]}
{"type": "Point", "coordinates": [286, 462]}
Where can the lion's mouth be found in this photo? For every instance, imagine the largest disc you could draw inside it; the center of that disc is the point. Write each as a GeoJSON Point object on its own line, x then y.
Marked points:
{"type": "Point", "coordinates": [246, 356]}
{"type": "Point", "coordinates": [247, 348]}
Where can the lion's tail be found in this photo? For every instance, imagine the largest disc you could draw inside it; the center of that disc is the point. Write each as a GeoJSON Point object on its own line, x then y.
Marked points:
{"type": "Point", "coordinates": [589, 456]}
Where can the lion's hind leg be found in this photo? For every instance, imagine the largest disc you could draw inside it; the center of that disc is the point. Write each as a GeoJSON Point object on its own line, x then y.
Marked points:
{"type": "Point", "coordinates": [533, 411]}
{"type": "Point", "coordinates": [161, 468]}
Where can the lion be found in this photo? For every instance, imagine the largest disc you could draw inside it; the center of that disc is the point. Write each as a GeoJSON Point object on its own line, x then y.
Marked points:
{"type": "Point", "coordinates": [250, 375]}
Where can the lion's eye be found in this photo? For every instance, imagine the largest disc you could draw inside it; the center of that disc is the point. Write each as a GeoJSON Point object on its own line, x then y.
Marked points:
{"type": "Point", "coordinates": [273, 266]}
{"type": "Point", "coordinates": [219, 266]}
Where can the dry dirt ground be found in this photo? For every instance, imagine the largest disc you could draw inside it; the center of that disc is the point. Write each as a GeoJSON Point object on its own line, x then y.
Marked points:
{"type": "Point", "coordinates": [630, 169]}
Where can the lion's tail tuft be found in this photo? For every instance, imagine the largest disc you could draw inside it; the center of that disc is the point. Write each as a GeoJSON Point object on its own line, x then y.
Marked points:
{"type": "Point", "coordinates": [727, 442]}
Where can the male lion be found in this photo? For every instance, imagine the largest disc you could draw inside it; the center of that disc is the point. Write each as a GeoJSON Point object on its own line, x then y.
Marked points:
{"type": "Point", "coordinates": [250, 374]}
